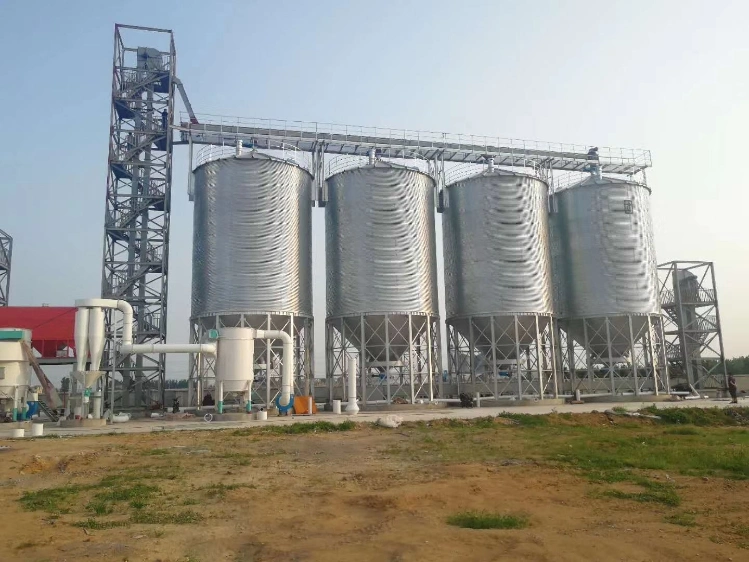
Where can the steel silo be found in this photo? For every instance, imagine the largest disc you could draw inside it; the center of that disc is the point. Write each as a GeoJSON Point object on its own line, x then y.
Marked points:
{"type": "Point", "coordinates": [498, 283]}
{"type": "Point", "coordinates": [252, 256]}
{"type": "Point", "coordinates": [606, 280]}
{"type": "Point", "coordinates": [382, 278]}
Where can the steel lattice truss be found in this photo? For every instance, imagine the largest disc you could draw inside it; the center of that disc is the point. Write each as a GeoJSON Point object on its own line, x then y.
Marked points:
{"type": "Point", "coordinates": [614, 355]}
{"type": "Point", "coordinates": [694, 340]}
{"type": "Point", "coordinates": [6, 253]}
{"type": "Point", "coordinates": [268, 356]}
{"type": "Point", "coordinates": [397, 355]}
{"type": "Point", "coordinates": [503, 356]}
{"type": "Point", "coordinates": [138, 199]}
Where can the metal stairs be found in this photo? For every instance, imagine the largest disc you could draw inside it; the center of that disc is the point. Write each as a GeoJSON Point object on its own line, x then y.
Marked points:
{"type": "Point", "coordinates": [48, 411]}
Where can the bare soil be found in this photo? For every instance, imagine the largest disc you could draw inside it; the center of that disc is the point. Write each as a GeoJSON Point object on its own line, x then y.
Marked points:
{"type": "Point", "coordinates": [366, 495]}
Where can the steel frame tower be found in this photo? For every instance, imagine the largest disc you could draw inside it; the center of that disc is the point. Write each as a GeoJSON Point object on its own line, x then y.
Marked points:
{"type": "Point", "coordinates": [6, 253]}
{"type": "Point", "coordinates": [139, 178]}
{"type": "Point", "coordinates": [694, 339]}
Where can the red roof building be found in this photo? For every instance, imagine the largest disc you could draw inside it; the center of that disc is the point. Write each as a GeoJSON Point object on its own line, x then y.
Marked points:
{"type": "Point", "coordinates": [52, 327]}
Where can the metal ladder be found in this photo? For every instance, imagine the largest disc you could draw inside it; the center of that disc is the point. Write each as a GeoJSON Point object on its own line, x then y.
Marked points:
{"type": "Point", "coordinates": [48, 411]}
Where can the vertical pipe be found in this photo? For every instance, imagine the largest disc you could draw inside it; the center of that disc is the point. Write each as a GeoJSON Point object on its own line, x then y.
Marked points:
{"type": "Point", "coordinates": [362, 364]}
{"type": "Point", "coordinates": [411, 357]}
{"type": "Point", "coordinates": [539, 367]}
{"type": "Point", "coordinates": [113, 365]}
{"type": "Point", "coordinates": [352, 407]}
{"type": "Point", "coordinates": [611, 357]}
{"type": "Point", "coordinates": [471, 354]}
{"type": "Point", "coordinates": [588, 361]}
{"type": "Point", "coordinates": [267, 365]}
{"type": "Point", "coordinates": [494, 357]}
{"type": "Point", "coordinates": [430, 358]}
{"type": "Point", "coordinates": [220, 401]}
{"type": "Point", "coordinates": [387, 356]}
{"type": "Point", "coordinates": [633, 355]}
{"type": "Point", "coordinates": [517, 357]}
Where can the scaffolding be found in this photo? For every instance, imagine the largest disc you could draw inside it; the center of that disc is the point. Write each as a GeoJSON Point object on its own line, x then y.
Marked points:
{"type": "Point", "coordinates": [136, 221]}
{"type": "Point", "coordinates": [694, 340]}
{"type": "Point", "coordinates": [6, 253]}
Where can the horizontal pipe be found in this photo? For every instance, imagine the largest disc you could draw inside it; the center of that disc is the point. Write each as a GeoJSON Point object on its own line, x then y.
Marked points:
{"type": "Point", "coordinates": [208, 348]}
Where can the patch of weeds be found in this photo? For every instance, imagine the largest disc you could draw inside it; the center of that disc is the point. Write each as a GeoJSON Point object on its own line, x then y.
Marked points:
{"type": "Point", "coordinates": [126, 493]}
{"type": "Point", "coordinates": [487, 520]}
{"type": "Point", "coordinates": [656, 493]}
{"type": "Point", "coordinates": [156, 452]}
{"type": "Point", "coordinates": [220, 490]}
{"type": "Point", "coordinates": [25, 545]}
{"type": "Point", "coordinates": [620, 410]}
{"type": "Point", "coordinates": [314, 427]}
{"type": "Point", "coordinates": [526, 420]}
{"type": "Point", "coordinates": [701, 416]}
{"type": "Point", "coordinates": [163, 518]}
{"type": "Point", "coordinates": [51, 500]}
{"type": "Point", "coordinates": [99, 508]}
{"type": "Point", "coordinates": [190, 501]}
{"type": "Point", "coordinates": [682, 431]}
{"type": "Point", "coordinates": [681, 519]}
{"type": "Point", "coordinates": [98, 525]}
{"type": "Point", "coordinates": [138, 504]}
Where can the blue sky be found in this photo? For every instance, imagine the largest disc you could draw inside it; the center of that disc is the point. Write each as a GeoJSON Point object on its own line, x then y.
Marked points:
{"type": "Point", "coordinates": [669, 76]}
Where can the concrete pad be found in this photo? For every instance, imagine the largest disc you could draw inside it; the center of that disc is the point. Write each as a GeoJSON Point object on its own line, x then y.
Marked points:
{"type": "Point", "coordinates": [147, 426]}
{"type": "Point", "coordinates": [84, 423]}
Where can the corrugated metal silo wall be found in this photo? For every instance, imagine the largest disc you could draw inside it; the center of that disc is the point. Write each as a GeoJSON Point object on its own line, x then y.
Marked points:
{"type": "Point", "coordinates": [496, 242]}
{"type": "Point", "coordinates": [380, 242]}
{"type": "Point", "coordinates": [252, 246]}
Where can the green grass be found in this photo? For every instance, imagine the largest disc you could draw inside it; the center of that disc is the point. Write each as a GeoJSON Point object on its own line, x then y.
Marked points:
{"type": "Point", "coordinates": [220, 490]}
{"type": "Point", "coordinates": [98, 524]}
{"type": "Point", "coordinates": [702, 417]}
{"type": "Point", "coordinates": [99, 508]}
{"type": "Point", "coordinates": [667, 497]}
{"type": "Point", "coordinates": [314, 427]}
{"type": "Point", "coordinates": [51, 500]}
{"type": "Point", "coordinates": [487, 520]}
{"type": "Point", "coordinates": [526, 420]}
{"type": "Point", "coordinates": [127, 493]}
{"type": "Point", "coordinates": [186, 517]}
{"type": "Point", "coordinates": [681, 519]}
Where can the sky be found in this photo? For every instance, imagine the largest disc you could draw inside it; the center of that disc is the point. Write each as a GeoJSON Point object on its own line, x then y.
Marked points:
{"type": "Point", "coordinates": [668, 76]}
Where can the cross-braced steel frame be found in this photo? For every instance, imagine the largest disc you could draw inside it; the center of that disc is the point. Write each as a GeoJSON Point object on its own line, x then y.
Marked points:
{"type": "Point", "coordinates": [694, 340]}
{"type": "Point", "coordinates": [6, 253]}
{"type": "Point", "coordinates": [398, 356]}
{"type": "Point", "coordinates": [503, 356]}
{"type": "Point", "coordinates": [267, 361]}
{"type": "Point", "coordinates": [614, 355]}
{"type": "Point", "coordinates": [136, 221]}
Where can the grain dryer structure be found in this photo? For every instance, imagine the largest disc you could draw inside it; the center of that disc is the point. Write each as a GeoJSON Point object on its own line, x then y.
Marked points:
{"type": "Point", "coordinates": [498, 285]}
{"type": "Point", "coordinates": [381, 269]}
{"type": "Point", "coordinates": [252, 260]}
{"type": "Point", "coordinates": [606, 288]}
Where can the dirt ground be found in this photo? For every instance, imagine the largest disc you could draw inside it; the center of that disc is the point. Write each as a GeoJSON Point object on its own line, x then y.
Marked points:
{"type": "Point", "coordinates": [367, 494]}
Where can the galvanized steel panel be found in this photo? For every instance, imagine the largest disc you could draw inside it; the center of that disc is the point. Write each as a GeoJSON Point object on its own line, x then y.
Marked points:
{"type": "Point", "coordinates": [252, 245]}
{"type": "Point", "coordinates": [604, 253]}
{"type": "Point", "coordinates": [380, 241]}
{"type": "Point", "coordinates": [496, 243]}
